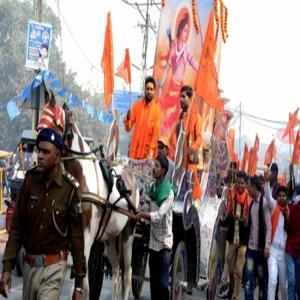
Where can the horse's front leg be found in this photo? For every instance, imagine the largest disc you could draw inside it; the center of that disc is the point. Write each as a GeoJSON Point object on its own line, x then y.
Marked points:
{"type": "Point", "coordinates": [113, 258]}
{"type": "Point", "coordinates": [89, 237]}
{"type": "Point", "coordinates": [127, 238]}
{"type": "Point", "coordinates": [88, 242]}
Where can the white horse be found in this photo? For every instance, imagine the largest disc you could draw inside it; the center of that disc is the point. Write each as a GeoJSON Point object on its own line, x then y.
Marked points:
{"type": "Point", "coordinates": [85, 168]}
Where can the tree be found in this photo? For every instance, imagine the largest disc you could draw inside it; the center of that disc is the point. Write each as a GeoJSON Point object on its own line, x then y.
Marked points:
{"type": "Point", "coordinates": [14, 16]}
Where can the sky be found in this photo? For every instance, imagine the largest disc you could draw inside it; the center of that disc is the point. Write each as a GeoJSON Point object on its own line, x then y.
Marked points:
{"type": "Point", "coordinates": [259, 66]}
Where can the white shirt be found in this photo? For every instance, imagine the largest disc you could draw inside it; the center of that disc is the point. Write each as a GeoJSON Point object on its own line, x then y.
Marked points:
{"type": "Point", "coordinates": [279, 239]}
{"type": "Point", "coordinates": [170, 169]}
{"type": "Point", "coordinates": [161, 235]}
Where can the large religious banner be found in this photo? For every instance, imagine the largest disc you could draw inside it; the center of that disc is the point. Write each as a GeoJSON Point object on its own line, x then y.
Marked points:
{"type": "Point", "coordinates": [181, 36]}
{"type": "Point", "coordinates": [188, 53]}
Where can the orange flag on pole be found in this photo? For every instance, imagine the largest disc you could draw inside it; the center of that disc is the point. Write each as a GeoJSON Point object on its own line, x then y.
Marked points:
{"type": "Point", "coordinates": [256, 143]}
{"type": "Point", "coordinates": [206, 84]}
{"type": "Point", "coordinates": [293, 121]}
{"type": "Point", "coordinates": [245, 160]}
{"type": "Point", "coordinates": [230, 140]}
{"type": "Point", "coordinates": [253, 157]}
{"type": "Point", "coordinates": [124, 69]}
{"type": "Point", "coordinates": [296, 151]}
{"type": "Point", "coordinates": [107, 63]}
{"type": "Point", "coordinates": [253, 161]}
{"type": "Point", "coordinates": [270, 153]}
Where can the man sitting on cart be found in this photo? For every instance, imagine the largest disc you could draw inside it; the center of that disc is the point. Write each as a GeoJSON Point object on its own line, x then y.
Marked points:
{"type": "Point", "coordinates": [161, 235]}
{"type": "Point", "coordinates": [190, 125]}
{"type": "Point", "coordinates": [145, 116]}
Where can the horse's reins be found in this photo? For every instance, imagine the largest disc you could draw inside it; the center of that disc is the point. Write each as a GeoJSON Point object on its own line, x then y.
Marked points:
{"type": "Point", "coordinates": [131, 169]}
{"type": "Point", "coordinates": [110, 207]}
{"type": "Point", "coordinates": [88, 197]}
{"type": "Point", "coordinates": [99, 148]}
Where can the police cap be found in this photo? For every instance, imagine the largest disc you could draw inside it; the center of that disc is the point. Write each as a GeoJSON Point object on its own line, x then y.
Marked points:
{"type": "Point", "coordinates": [52, 136]}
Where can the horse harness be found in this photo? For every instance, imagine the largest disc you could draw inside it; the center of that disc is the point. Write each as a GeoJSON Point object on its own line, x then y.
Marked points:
{"type": "Point", "coordinates": [108, 174]}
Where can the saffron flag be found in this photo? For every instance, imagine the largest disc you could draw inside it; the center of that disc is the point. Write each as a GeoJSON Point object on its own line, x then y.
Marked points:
{"type": "Point", "coordinates": [124, 69]}
{"type": "Point", "coordinates": [291, 132]}
{"type": "Point", "coordinates": [293, 121]}
{"type": "Point", "coordinates": [296, 151]}
{"type": "Point", "coordinates": [206, 84]}
{"type": "Point", "coordinates": [270, 153]}
{"type": "Point", "coordinates": [253, 161]}
{"type": "Point", "coordinates": [107, 63]}
{"type": "Point", "coordinates": [253, 157]}
{"type": "Point", "coordinates": [282, 179]}
{"type": "Point", "coordinates": [230, 140]}
{"type": "Point", "coordinates": [285, 139]}
{"type": "Point", "coordinates": [256, 143]}
{"type": "Point", "coordinates": [245, 160]}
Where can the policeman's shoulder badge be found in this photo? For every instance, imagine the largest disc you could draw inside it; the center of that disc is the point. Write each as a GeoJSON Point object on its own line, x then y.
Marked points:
{"type": "Point", "coordinates": [71, 179]}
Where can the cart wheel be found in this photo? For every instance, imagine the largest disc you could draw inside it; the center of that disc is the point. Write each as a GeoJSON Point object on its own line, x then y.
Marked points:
{"type": "Point", "coordinates": [179, 273]}
{"type": "Point", "coordinates": [96, 270]}
{"type": "Point", "coordinates": [19, 262]}
{"type": "Point", "coordinates": [139, 265]}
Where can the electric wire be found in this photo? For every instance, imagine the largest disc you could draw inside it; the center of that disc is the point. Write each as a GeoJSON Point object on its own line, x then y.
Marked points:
{"type": "Point", "coordinates": [78, 45]}
{"type": "Point", "coordinates": [262, 124]}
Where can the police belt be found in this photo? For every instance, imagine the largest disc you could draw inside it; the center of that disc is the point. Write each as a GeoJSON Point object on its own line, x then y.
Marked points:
{"type": "Point", "coordinates": [39, 261]}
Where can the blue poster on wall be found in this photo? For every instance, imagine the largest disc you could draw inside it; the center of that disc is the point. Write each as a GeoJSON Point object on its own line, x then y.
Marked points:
{"type": "Point", "coordinates": [38, 45]}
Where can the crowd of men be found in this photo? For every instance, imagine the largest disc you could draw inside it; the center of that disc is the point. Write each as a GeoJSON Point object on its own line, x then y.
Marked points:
{"type": "Point", "coordinates": [263, 238]}
{"type": "Point", "coordinates": [261, 223]}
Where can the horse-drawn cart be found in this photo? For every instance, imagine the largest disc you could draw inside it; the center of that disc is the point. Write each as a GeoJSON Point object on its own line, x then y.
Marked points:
{"type": "Point", "coordinates": [196, 253]}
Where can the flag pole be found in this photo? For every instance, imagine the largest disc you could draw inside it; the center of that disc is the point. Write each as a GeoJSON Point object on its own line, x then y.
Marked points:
{"type": "Point", "coordinates": [130, 96]}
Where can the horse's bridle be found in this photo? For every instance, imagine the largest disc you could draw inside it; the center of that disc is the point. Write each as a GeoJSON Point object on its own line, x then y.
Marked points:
{"type": "Point", "coordinates": [68, 136]}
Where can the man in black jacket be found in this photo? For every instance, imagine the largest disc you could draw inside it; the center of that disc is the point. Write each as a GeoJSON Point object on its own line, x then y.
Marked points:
{"type": "Point", "coordinates": [260, 231]}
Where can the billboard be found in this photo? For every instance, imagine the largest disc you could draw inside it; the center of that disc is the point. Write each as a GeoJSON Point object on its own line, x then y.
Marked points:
{"type": "Point", "coordinates": [178, 54]}
{"type": "Point", "coordinates": [38, 45]}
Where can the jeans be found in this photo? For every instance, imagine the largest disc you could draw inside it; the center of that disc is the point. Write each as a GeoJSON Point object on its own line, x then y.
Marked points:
{"type": "Point", "coordinates": [159, 263]}
{"type": "Point", "coordinates": [293, 277]}
{"type": "Point", "coordinates": [255, 266]}
{"type": "Point", "coordinates": [277, 269]}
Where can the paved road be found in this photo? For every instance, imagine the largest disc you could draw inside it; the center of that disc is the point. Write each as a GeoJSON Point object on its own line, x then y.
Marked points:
{"type": "Point", "coordinates": [16, 291]}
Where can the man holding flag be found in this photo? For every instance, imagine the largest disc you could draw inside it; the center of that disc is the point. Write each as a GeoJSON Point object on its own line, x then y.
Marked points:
{"type": "Point", "coordinates": [145, 116]}
{"type": "Point", "coordinates": [276, 260]}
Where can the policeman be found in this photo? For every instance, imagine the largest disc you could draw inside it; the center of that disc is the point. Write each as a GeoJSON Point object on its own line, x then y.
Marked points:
{"type": "Point", "coordinates": [47, 222]}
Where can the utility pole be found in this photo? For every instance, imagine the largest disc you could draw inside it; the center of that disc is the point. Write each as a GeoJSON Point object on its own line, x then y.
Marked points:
{"type": "Point", "coordinates": [37, 94]}
{"type": "Point", "coordinates": [39, 10]}
{"type": "Point", "coordinates": [143, 8]}
{"type": "Point", "coordinates": [145, 46]}
{"type": "Point", "coordinates": [240, 132]}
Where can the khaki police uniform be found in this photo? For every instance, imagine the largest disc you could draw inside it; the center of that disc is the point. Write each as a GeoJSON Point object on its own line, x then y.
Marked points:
{"type": "Point", "coordinates": [47, 223]}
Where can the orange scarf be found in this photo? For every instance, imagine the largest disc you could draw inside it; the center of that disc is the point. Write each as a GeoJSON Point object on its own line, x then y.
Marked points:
{"type": "Point", "coordinates": [275, 218]}
{"type": "Point", "coordinates": [242, 199]}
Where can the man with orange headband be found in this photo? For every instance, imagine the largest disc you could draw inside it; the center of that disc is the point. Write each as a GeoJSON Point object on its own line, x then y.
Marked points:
{"type": "Point", "coordinates": [145, 116]}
